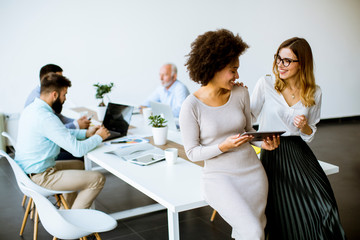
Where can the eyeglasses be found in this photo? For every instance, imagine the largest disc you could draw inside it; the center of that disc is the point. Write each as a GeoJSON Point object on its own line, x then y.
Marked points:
{"type": "Point", "coordinates": [285, 61]}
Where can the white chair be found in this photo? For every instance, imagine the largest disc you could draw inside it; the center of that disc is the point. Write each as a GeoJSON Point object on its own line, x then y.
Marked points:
{"type": "Point", "coordinates": [71, 223]}
{"type": "Point", "coordinates": [23, 180]}
{"type": "Point", "coordinates": [12, 142]}
{"type": "Point", "coordinates": [10, 139]}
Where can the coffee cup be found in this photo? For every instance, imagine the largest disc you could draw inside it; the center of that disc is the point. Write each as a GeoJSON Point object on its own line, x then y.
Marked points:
{"type": "Point", "coordinates": [171, 155]}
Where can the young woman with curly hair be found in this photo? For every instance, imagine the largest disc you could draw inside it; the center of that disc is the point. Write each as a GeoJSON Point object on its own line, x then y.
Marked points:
{"type": "Point", "coordinates": [211, 122]}
{"type": "Point", "coordinates": [301, 204]}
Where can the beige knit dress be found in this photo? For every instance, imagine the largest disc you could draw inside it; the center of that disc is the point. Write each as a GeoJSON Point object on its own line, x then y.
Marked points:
{"type": "Point", "coordinates": [234, 182]}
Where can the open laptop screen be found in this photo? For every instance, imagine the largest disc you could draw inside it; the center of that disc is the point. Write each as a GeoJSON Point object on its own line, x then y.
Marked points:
{"type": "Point", "coordinates": [165, 111]}
{"type": "Point", "coordinates": [117, 118]}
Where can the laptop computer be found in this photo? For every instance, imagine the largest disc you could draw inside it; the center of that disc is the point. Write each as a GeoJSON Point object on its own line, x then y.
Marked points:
{"type": "Point", "coordinates": [165, 111]}
{"type": "Point", "coordinates": [117, 119]}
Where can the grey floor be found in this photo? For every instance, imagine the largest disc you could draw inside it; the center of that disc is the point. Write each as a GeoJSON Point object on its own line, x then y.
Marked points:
{"type": "Point", "coordinates": [335, 142]}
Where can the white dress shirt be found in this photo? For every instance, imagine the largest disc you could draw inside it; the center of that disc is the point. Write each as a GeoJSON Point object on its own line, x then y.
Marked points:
{"type": "Point", "coordinates": [271, 111]}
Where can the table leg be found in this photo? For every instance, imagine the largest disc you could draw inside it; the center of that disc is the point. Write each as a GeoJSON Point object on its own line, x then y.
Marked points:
{"type": "Point", "coordinates": [87, 163]}
{"type": "Point", "coordinates": [173, 222]}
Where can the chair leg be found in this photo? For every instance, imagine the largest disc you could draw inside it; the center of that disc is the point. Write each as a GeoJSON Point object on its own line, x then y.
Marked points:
{"type": "Point", "coordinates": [97, 236]}
{"type": "Point", "coordinates": [213, 216]}
{"type": "Point", "coordinates": [58, 201]}
{"type": "Point", "coordinates": [36, 224]}
{"type": "Point", "coordinates": [25, 216]}
{"type": "Point", "coordinates": [63, 201]}
{"type": "Point", "coordinates": [32, 212]}
{"type": "Point", "coordinates": [23, 201]}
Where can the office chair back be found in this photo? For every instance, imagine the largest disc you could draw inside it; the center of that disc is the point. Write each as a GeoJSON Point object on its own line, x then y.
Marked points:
{"type": "Point", "coordinates": [10, 139]}
{"type": "Point", "coordinates": [72, 223]}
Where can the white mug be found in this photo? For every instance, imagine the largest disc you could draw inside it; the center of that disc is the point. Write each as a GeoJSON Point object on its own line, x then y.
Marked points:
{"type": "Point", "coordinates": [171, 155]}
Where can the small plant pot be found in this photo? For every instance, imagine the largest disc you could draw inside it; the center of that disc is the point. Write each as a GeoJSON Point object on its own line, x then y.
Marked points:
{"type": "Point", "coordinates": [101, 113]}
{"type": "Point", "coordinates": [160, 135]}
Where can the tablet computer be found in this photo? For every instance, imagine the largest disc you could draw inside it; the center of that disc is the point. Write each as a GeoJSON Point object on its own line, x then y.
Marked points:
{"type": "Point", "coordinates": [259, 136]}
{"type": "Point", "coordinates": [146, 159]}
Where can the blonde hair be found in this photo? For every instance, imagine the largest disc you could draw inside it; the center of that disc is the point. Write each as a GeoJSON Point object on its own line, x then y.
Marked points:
{"type": "Point", "coordinates": [302, 50]}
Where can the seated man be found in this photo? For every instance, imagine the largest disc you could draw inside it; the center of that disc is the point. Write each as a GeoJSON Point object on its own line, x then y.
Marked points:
{"type": "Point", "coordinates": [82, 123]}
{"type": "Point", "coordinates": [40, 136]}
{"type": "Point", "coordinates": [172, 92]}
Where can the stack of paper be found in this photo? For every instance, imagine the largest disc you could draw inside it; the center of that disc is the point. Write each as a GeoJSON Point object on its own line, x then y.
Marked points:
{"type": "Point", "coordinates": [141, 153]}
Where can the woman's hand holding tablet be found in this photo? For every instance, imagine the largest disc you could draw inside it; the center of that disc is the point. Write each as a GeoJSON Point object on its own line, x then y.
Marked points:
{"type": "Point", "coordinates": [261, 135]}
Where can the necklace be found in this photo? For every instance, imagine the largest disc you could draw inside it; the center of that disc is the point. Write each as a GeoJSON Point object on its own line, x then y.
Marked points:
{"type": "Point", "coordinates": [293, 92]}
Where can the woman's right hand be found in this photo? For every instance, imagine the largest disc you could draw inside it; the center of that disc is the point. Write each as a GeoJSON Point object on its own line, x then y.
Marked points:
{"type": "Point", "coordinates": [234, 142]}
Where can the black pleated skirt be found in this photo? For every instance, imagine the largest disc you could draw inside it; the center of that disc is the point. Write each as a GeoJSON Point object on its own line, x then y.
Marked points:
{"type": "Point", "coordinates": [301, 204]}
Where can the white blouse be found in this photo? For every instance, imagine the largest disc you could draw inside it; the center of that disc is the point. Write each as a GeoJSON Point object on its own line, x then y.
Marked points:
{"type": "Point", "coordinates": [272, 112]}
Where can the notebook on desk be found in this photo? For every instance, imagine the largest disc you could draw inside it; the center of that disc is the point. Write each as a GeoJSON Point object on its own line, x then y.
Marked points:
{"type": "Point", "coordinates": [165, 111]}
{"type": "Point", "coordinates": [117, 119]}
{"type": "Point", "coordinates": [141, 154]}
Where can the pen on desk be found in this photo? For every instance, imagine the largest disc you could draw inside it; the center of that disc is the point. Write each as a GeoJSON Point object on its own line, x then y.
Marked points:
{"type": "Point", "coordinates": [119, 142]}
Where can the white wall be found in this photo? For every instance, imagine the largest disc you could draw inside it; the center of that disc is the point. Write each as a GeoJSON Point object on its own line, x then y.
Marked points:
{"type": "Point", "coordinates": [126, 42]}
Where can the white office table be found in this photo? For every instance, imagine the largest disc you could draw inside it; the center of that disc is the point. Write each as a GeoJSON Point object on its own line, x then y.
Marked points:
{"type": "Point", "coordinates": [175, 188]}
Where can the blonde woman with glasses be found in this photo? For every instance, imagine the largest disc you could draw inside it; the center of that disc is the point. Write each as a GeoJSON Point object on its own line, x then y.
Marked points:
{"type": "Point", "coordinates": [301, 203]}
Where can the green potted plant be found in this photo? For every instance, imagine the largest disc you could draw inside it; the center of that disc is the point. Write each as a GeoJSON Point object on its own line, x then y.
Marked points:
{"type": "Point", "coordinates": [159, 129]}
{"type": "Point", "coordinates": [101, 90]}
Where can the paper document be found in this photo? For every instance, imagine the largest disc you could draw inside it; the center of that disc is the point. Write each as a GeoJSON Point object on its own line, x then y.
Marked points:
{"type": "Point", "coordinates": [141, 153]}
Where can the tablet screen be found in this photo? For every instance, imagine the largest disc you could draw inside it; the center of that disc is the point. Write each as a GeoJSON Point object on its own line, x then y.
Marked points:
{"type": "Point", "coordinates": [259, 136]}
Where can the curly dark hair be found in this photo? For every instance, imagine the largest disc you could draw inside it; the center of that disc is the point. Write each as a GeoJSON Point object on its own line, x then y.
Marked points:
{"type": "Point", "coordinates": [212, 52]}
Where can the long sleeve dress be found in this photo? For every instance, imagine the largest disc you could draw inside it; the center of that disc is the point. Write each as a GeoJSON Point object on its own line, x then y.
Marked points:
{"type": "Point", "coordinates": [301, 204]}
{"type": "Point", "coordinates": [234, 182]}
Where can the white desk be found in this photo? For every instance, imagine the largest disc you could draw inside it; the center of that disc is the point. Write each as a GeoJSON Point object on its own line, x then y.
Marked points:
{"type": "Point", "coordinates": [175, 188]}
